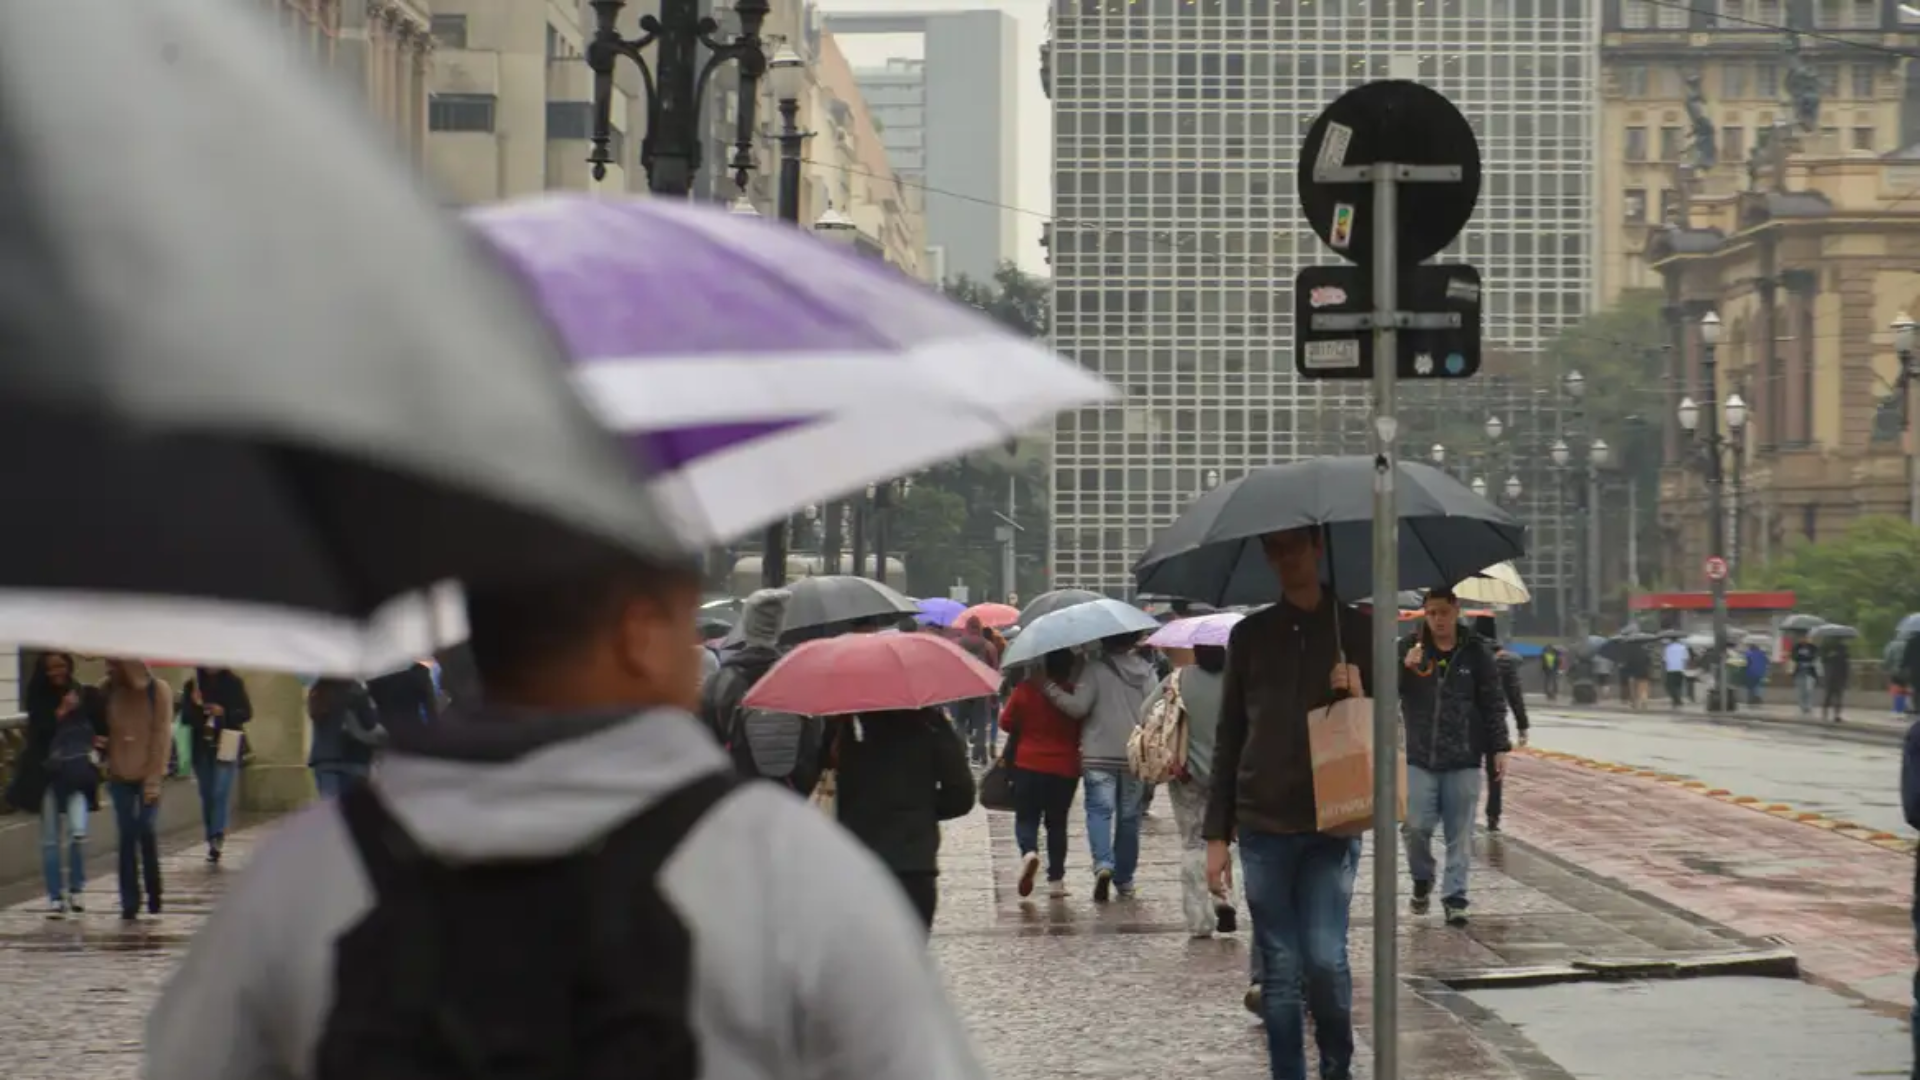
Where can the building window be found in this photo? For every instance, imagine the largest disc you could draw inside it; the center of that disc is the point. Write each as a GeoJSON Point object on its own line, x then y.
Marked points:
{"type": "Point", "coordinates": [1673, 16]}
{"type": "Point", "coordinates": [1863, 138]}
{"type": "Point", "coordinates": [1826, 15]}
{"type": "Point", "coordinates": [1766, 82]}
{"type": "Point", "coordinates": [460, 112]}
{"type": "Point", "coordinates": [569, 119]}
{"type": "Point", "coordinates": [1863, 81]}
{"type": "Point", "coordinates": [1636, 15]}
{"type": "Point", "coordinates": [1866, 14]}
{"type": "Point", "coordinates": [1829, 79]}
{"type": "Point", "coordinates": [1669, 206]}
{"type": "Point", "coordinates": [1767, 15]}
{"type": "Point", "coordinates": [1636, 144]}
{"type": "Point", "coordinates": [1670, 144]}
{"type": "Point", "coordinates": [1733, 82]}
{"type": "Point", "coordinates": [1636, 206]}
{"type": "Point", "coordinates": [450, 31]}
{"type": "Point", "coordinates": [1733, 144]}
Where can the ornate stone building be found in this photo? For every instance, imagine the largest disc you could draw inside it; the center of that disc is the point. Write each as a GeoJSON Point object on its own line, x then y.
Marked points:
{"type": "Point", "coordinates": [388, 49]}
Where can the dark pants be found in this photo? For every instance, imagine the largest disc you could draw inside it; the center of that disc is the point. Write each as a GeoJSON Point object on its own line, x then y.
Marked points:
{"type": "Point", "coordinates": [978, 723]}
{"type": "Point", "coordinates": [1043, 797]}
{"type": "Point", "coordinates": [1552, 679]}
{"type": "Point", "coordinates": [1677, 687]}
{"type": "Point", "coordinates": [1494, 784]}
{"type": "Point", "coordinates": [134, 819]}
{"type": "Point", "coordinates": [923, 890]}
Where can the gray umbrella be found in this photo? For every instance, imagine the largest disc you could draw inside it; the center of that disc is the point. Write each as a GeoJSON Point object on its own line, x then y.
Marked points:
{"type": "Point", "coordinates": [839, 598]}
{"type": "Point", "coordinates": [1802, 622]}
{"type": "Point", "coordinates": [1077, 625]}
{"type": "Point", "coordinates": [1833, 632]}
{"type": "Point", "coordinates": [257, 384]}
{"type": "Point", "coordinates": [1212, 551]}
{"type": "Point", "coordinates": [1057, 600]}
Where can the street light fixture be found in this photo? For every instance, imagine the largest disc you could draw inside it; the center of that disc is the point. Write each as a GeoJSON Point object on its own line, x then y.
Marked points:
{"type": "Point", "coordinates": [1710, 329]}
{"type": "Point", "coordinates": [1903, 345]}
{"type": "Point", "coordinates": [1479, 487]}
{"type": "Point", "coordinates": [1689, 413]}
{"type": "Point", "coordinates": [670, 152]}
{"type": "Point", "coordinates": [1561, 453]}
{"type": "Point", "coordinates": [1513, 488]}
{"type": "Point", "coordinates": [833, 224]}
{"type": "Point", "coordinates": [1736, 408]}
{"type": "Point", "coordinates": [1494, 428]}
{"type": "Point", "coordinates": [743, 206]}
{"type": "Point", "coordinates": [1600, 453]}
{"type": "Point", "coordinates": [788, 74]}
{"type": "Point", "coordinates": [1438, 454]}
{"type": "Point", "coordinates": [1213, 479]}
{"type": "Point", "coordinates": [1576, 384]}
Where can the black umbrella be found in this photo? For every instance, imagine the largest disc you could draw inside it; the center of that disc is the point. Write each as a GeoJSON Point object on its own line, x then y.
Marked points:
{"type": "Point", "coordinates": [1057, 600]}
{"type": "Point", "coordinates": [1802, 622]}
{"type": "Point", "coordinates": [1212, 551]}
{"type": "Point", "coordinates": [270, 387]}
{"type": "Point", "coordinates": [820, 602]}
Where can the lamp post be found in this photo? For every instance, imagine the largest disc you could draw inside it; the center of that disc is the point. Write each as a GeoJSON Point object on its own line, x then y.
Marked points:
{"type": "Point", "coordinates": [1479, 486]}
{"type": "Point", "coordinates": [1903, 343]}
{"type": "Point", "coordinates": [1513, 489]}
{"type": "Point", "coordinates": [1713, 444]}
{"type": "Point", "coordinates": [670, 152]}
{"type": "Point", "coordinates": [882, 497]}
{"type": "Point", "coordinates": [788, 75]}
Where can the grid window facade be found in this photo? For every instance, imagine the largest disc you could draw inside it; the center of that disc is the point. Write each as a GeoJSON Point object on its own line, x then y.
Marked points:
{"type": "Point", "coordinates": [1177, 232]}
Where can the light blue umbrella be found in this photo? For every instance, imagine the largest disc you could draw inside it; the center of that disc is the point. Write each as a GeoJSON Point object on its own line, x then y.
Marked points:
{"type": "Point", "coordinates": [1077, 625]}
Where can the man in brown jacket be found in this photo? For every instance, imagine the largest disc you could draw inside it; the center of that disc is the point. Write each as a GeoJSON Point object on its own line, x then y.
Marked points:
{"type": "Point", "coordinates": [139, 709]}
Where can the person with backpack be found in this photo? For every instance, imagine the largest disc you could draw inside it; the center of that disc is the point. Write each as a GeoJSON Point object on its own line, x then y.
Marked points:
{"type": "Point", "coordinates": [1455, 715]}
{"type": "Point", "coordinates": [1106, 697]}
{"type": "Point", "coordinates": [569, 882]}
{"type": "Point", "coordinates": [1042, 749]}
{"type": "Point", "coordinates": [139, 719]}
{"type": "Point", "coordinates": [782, 747]}
{"type": "Point", "coordinates": [900, 774]}
{"type": "Point", "coordinates": [346, 732]}
{"type": "Point", "coordinates": [1194, 687]}
{"type": "Point", "coordinates": [976, 716]}
{"type": "Point", "coordinates": [57, 774]}
{"type": "Point", "coordinates": [216, 708]}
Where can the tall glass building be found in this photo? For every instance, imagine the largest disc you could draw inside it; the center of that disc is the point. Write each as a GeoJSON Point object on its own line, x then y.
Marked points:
{"type": "Point", "coordinates": [1177, 130]}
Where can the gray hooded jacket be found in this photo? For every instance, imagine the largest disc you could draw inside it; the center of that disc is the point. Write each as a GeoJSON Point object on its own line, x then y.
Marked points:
{"type": "Point", "coordinates": [1107, 696]}
{"type": "Point", "coordinates": [808, 963]}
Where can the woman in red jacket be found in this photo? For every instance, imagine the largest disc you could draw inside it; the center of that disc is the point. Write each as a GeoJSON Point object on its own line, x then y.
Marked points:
{"type": "Point", "coordinates": [1043, 750]}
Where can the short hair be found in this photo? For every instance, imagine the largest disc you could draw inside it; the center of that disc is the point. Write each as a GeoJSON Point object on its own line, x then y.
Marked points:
{"type": "Point", "coordinates": [516, 628]}
{"type": "Point", "coordinates": [1211, 659]}
{"type": "Point", "coordinates": [1441, 592]}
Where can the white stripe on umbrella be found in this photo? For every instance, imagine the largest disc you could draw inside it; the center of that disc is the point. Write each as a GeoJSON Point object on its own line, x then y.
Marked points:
{"type": "Point", "coordinates": [213, 632]}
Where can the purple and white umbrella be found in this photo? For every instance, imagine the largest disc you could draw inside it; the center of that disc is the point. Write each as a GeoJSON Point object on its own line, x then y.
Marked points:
{"type": "Point", "coordinates": [758, 368]}
{"type": "Point", "coordinates": [1197, 630]}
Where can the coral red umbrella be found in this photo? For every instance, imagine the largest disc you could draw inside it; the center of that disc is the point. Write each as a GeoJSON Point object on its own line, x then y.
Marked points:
{"type": "Point", "coordinates": [998, 616]}
{"type": "Point", "coordinates": [857, 673]}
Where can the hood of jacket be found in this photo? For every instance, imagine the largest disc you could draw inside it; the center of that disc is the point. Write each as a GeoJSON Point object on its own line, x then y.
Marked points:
{"type": "Point", "coordinates": [763, 617]}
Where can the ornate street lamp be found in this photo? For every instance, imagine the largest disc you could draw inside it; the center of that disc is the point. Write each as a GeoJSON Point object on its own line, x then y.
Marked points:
{"type": "Point", "coordinates": [670, 152]}
{"type": "Point", "coordinates": [1494, 428]}
{"type": "Point", "coordinates": [1479, 487]}
{"type": "Point", "coordinates": [1513, 488]}
{"type": "Point", "coordinates": [1438, 455]}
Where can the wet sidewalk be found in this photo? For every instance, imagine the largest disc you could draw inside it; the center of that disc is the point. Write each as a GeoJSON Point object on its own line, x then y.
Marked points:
{"type": "Point", "coordinates": [1874, 722]}
{"type": "Point", "coordinates": [1842, 904]}
{"type": "Point", "coordinates": [1066, 988]}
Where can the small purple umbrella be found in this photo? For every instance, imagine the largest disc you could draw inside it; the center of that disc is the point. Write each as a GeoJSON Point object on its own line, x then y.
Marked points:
{"type": "Point", "coordinates": [937, 611]}
{"type": "Point", "coordinates": [1198, 630]}
{"type": "Point", "coordinates": [758, 368]}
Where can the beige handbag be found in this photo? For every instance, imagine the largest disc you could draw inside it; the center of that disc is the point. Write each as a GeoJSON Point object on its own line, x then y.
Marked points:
{"type": "Point", "coordinates": [228, 748]}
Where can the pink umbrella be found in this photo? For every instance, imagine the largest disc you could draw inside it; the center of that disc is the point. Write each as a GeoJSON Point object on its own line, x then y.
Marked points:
{"type": "Point", "coordinates": [996, 616]}
{"type": "Point", "coordinates": [1197, 630]}
{"type": "Point", "coordinates": [857, 673]}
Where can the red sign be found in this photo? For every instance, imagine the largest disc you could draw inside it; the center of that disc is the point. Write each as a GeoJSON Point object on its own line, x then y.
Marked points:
{"type": "Point", "coordinates": [1716, 568]}
{"type": "Point", "coordinates": [1703, 601]}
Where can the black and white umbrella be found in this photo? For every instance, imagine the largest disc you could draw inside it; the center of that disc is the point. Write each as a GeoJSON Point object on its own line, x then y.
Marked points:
{"type": "Point", "coordinates": [835, 599]}
{"type": "Point", "coordinates": [1212, 551]}
{"type": "Point", "coordinates": [261, 399]}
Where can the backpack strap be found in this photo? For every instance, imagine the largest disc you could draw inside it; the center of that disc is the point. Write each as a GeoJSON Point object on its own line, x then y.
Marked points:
{"type": "Point", "coordinates": [633, 853]}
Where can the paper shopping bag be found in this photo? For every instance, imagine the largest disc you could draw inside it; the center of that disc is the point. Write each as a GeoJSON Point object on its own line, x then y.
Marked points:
{"type": "Point", "coordinates": [1340, 739]}
{"type": "Point", "coordinates": [229, 748]}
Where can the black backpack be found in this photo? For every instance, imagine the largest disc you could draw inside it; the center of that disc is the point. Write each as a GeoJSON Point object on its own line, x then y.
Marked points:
{"type": "Point", "coordinates": [573, 968]}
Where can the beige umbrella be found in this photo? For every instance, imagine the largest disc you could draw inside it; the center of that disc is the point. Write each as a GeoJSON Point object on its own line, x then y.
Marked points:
{"type": "Point", "coordinates": [1497, 584]}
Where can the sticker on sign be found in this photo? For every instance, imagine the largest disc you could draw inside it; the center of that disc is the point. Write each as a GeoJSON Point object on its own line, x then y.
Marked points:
{"type": "Point", "coordinates": [1333, 355]}
{"type": "Point", "coordinates": [1333, 147]}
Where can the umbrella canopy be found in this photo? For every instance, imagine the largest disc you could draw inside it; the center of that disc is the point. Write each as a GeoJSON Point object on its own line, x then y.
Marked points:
{"type": "Point", "coordinates": [937, 611]}
{"type": "Point", "coordinates": [841, 598]}
{"type": "Point", "coordinates": [1497, 584]}
{"type": "Point", "coordinates": [762, 368]}
{"type": "Point", "coordinates": [1908, 626]}
{"type": "Point", "coordinates": [1077, 625]}
{"type": "Point", "coordinates": [1833, 632]}
{"type": "Point", "coordinates": [859, 673]}
{"type": "Point", "coordinates": [1806, 622]}
{"type": "Point", "coordinates": [1405, 599]}
{"type": "Point", "coordinates": [1212, 551]}
{"type": "Point", "coordinates": [993, 615]}
{"type": "Point", "coordinates": [1059, 599]}
{"type": "Point", "coordinates": [260, 402]}
{"type": "Point", "coordinates": [1186, 633]}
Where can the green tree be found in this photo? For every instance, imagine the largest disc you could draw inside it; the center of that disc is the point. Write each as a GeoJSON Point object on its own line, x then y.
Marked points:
{"type": "Point", "coordinates": [1019, 300]}
{"type": "Point", "coordinates": [1868, 577]}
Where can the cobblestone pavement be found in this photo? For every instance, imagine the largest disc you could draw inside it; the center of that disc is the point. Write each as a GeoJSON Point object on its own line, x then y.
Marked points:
{"type": "Point", "coordinates": [1064, 988]}
{"type": "Point", "coordinates": [1841, 904]}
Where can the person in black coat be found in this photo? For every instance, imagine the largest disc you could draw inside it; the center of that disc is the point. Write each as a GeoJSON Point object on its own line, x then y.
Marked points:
{"type": "Point", "coordinates": [406, 698]}
{"type": "Point", "coordinates": [346, 731]}
{"type": "Point", "coordinates": [901, 774]}
{"type": "Point", "coordinates": [62, 793]}
{"type": "Point", "coordinates": [215, 707]}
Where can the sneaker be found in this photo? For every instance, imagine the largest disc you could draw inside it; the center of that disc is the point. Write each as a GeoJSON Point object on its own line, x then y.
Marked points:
{"type": "Point", "coordinates": [1493, 824]}
{"type": "Point", "coordinates": [1128, 892]}
{"type": "Point", "coordinates": [1251, 999]}
{"type": "Point", "coordinates": [1225, 919]}
{"type": "Point", "coordinates": [1057, 889]}
{"type": "Point", "coordinates": [1456, 914]}
{"type": "Point", "coordinates": [1102, 885]}
{"type": "Point", "coordinates": [129, 914]}
{"type": "Point", "coordinates": [1029, 867]}
{"type": "Point", "coordinates": [56, 909]}
{"type": "Point", "coordinates": [74, 905]}
{"type": "Point", "coordinates": [153, 904]}
{"type": "Point", "coordinates": [1422, 898]}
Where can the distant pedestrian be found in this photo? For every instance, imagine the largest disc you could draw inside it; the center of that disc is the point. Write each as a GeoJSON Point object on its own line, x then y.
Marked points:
{"type": "Point", "coordinates": [215, 707]}
{"type": "Point", "coordinates": [1636, 669]}
{"type": "Point", "coordinates": [1283, 662]}
{"type": "Point", "coordinates": [1107, 692]}
{"type": "Point", "coordinates": [1836, 672]}
{"type": "Point", "coordinates": [1509, 667]}
{"type": "Point", "coordinates": [1455, 715]}
{"type": "Point", "coordinates": [977, 716]}
{"type": "Point", "coordinates": [1552, 660]}
{"type": "Point", "coordinates": [900, 774]}
{"type": "Point", "coordinates": [57, 776]}
{"type": "Point", "coordinates": [1756, 672]}
{"type": "Point", "coordinates": [1806, 672]}
{"type": "Point", "coordinates": [139, 712]}
{"type": "Point", "coordinates": [1910, 805]}
{"type": "Point", "coordinates": [1199, 686]}
{"type": "Point", "coordinates": [1043, 750]}
{"type": "Point", "coordinates": [346, 731]}
{"type": "Point", "coordinates": [778, 746]}
{"type": "Point", "coordinates": [1675, 659]}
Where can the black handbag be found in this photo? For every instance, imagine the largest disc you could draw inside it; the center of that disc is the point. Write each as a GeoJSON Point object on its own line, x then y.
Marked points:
{"type": "Point", "coordinates": [996, 786]}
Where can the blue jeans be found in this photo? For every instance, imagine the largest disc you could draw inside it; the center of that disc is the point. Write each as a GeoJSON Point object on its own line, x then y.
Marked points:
{"type": "Point", "coordinates": [335, 781]}
{"type": "Point", "coordinates": [74, 814]}
{"type": "Point", "coordinates": [1299, 888]}
{"type": "Point", "coordinates": [1803, 686]}
{"type": "Point", "coordinates": [134, 819]}
{"type": "Point", "coordinates": [1113, 822]}
{"type": "Point", "coordinates": [215, 780]}
{"type": "Point", "coordinates": [1446, 800]}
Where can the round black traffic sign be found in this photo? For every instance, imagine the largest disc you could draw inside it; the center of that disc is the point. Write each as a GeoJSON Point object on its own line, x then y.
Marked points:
{"type": "Point", "coordinates": [1404, 123]}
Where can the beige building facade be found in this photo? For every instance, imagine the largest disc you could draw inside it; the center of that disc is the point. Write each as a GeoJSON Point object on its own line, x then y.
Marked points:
{"type": "Point", "coordinates": [1677, 81]}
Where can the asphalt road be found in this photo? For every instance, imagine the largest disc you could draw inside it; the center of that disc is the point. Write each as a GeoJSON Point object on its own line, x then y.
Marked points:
{"type": "Point", "coordinates": [1838, 774]}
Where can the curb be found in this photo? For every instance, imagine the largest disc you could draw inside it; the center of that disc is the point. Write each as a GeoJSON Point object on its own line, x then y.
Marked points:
{"type": "Point", "coordinates": [1837, 826]}
{"type": "Point", "coordinates": [1761, 963]}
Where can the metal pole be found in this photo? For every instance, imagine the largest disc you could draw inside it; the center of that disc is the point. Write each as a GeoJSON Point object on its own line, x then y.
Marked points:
{"type": "Point", "coordinates": [1386, 582]}
{"type": "Point", "coordinates": [859, 542]}
{"type": "Point", "coordinates": [1007, 565]}
{"type": "Point", "coordinates": [773, 548]}
{"type": "Point", "coordinates": [1716, 525]}
{"type": "Point", "coordinates": [1593, 540]}
{"type": "Point", "coordinates": [882, 503]}
{"type": "Point", "coordinates": [1633, 531]}
{"type": "Point", "coordinates": [1913, 459]}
